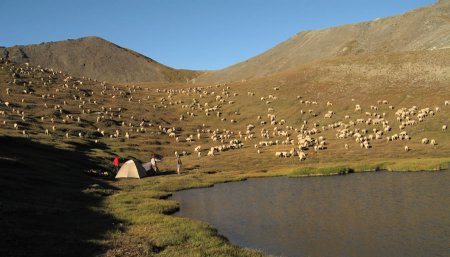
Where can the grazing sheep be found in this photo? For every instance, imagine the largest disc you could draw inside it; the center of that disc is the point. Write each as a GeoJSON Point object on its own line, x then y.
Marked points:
{"type": "Point", "coordinates": [444, 127]}
{"type": "Point", "coordinates": [301, 156]}
{"type": "Point", "coordinates": [425, 141]}
{"type": "Point", "coordinates": [433, 142]}
{"type": "Point", "coordinates": [406, 148]}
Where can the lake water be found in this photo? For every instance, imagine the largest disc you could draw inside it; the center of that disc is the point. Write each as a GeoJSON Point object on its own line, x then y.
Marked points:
{"type": "Point", "coordinates": [369, 214]}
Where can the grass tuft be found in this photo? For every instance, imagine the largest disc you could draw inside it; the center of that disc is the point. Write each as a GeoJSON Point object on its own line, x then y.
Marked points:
{"type": "Point", "coordinates": [321, 171]}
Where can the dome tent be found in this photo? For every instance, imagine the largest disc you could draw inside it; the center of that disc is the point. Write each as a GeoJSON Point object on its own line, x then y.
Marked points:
{"type": "Point", "coordinates": [131, 169]}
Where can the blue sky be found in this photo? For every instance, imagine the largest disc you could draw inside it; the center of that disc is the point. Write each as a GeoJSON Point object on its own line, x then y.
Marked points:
{"type": "Point", "coordinates": [195, 34]}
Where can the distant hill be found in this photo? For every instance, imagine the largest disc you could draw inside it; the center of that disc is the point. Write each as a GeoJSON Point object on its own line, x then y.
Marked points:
{"type": "Point", "coordinates": [421, 29]}
{"type": "Point", "coordinates": [96, 58]}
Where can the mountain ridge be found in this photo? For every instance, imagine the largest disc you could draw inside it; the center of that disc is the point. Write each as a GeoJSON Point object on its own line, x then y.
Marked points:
{"type": "Point", "coordinates": [424, 28]}
{"type": "Point", "coordinates": [96, 58]}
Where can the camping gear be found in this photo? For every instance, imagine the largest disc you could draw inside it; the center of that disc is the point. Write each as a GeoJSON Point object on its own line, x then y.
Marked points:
{"type": "Point", "coordinates": [147, 166]}
{"type": "Point", "coordinates": [131, 169]}
{"type": "Point", "coordinates": [96, 173]}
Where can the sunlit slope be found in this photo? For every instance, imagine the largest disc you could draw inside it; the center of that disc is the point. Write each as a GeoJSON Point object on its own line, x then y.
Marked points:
{"type": "Point", "coordinates": [420, 29]}
{"type": "Point", "coordinates": [393, 90]}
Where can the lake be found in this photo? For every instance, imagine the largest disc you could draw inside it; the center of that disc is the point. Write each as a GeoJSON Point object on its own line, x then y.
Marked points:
{"type": "Point", "coordinates": [368, 214]}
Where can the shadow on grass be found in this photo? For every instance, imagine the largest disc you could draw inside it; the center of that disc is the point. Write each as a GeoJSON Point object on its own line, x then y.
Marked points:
{"type": "Point", "coordinates": [161, 173]}
{"type": "Point", "coordinates": [48, 207]}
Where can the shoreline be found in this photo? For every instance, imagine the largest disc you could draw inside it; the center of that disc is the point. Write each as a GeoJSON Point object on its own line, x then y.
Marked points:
{"type": "Point", "coordinates": [146, 205]}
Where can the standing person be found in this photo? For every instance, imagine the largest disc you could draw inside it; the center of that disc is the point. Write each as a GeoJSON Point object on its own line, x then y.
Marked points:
{"type": "Point", "coordinates": [178, 163]}
{"type": "Point", "coordinates": [116, 164]}
{"type": "Point", "coordinates": [153, 165]}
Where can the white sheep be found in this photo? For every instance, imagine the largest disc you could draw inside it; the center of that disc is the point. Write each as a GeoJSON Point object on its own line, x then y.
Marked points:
{"type": "Point", "coordinates": [425, 141]}
{"type": "Point", "coordinates": [444, 127]}
{"type": "Point", "coordinates": [302, 156]}
{"type": "Point", "coordinates": [406, 148]}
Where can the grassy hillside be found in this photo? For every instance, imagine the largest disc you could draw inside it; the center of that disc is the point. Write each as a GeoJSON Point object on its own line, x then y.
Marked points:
{"type": "Point", "coordinates": [65, 125]}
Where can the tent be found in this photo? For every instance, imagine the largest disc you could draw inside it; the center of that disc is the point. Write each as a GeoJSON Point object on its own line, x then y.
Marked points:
{"type": "Point", "coordinates": [131, 169]}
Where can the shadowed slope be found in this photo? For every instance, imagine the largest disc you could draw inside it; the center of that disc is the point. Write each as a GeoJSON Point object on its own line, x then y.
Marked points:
{"type": "Point", "coordinates": [48, 206]}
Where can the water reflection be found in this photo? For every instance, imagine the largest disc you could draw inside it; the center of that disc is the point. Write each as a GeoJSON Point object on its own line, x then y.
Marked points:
{"type": "Point", "coordinates": [372, 214]}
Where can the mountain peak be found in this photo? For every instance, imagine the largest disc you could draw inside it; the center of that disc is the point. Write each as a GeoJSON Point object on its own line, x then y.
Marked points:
{"type": "Point", "coordinates": [96, 58]}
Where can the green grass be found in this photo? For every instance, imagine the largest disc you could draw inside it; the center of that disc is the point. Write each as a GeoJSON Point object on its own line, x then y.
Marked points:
{"type": "Point", "coordinates": [426, 164]}
{"type": "Point", "coordinates": [323, 171]}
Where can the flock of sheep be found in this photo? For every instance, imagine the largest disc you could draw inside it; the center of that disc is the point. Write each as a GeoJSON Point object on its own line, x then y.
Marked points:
{"type": "Point", "coordinates": [55, 104]}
